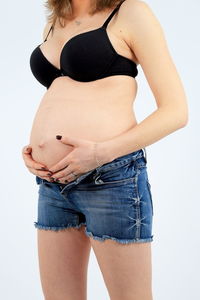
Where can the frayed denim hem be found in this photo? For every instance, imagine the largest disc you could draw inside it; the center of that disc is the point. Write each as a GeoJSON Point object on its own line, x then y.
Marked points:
{"type": "Point", "coordinates": [122, 241]}
{"type": "Point", "coordinates": [56, 228]}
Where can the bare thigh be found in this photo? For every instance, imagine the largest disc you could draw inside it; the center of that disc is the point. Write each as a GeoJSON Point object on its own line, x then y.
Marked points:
{"type": "Point", "coordinates": [126, 269]}
{"type": "Point", "coordinates": [63, 262]}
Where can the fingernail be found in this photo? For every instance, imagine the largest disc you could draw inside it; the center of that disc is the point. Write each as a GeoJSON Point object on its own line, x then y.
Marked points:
{"type": "Point", "coordinates": [59, 137]}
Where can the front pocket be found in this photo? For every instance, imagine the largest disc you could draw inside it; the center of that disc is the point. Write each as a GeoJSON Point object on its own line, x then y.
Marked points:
{"type": "Point", "coordinates": [99, 184]}
{"type": "Point", "coordinates": [116, 175]}
{"type": "Point", "coordinates": [109, 178]}
{"type": "Point", "coordinates": [99, 181]}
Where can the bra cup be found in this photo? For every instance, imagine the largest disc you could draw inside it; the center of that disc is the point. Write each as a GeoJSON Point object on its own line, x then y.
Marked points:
{"type": "Point", "coordinates": [42, 69]}
{"type": "Point", "coordinates": [87, 57]}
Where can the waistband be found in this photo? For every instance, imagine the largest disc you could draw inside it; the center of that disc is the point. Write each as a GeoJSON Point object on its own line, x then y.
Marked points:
{"type": "Point", "coordinates": [122, 160]}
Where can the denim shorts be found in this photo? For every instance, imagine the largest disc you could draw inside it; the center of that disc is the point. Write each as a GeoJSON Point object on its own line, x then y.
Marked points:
{"type": "Point", "coordinates": [113, 201]}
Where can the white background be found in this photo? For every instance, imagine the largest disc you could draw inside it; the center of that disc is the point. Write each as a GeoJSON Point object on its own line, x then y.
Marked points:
{"type": "Point", "coordinates": [173, 162]}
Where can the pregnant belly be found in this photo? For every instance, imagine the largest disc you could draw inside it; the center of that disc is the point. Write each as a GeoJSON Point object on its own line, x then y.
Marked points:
{"type": "Point", "coordinates": [94, 117]}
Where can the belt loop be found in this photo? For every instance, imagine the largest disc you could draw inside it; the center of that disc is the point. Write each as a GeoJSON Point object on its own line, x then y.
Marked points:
{"type": "Point", "coordinates": [145, 154]}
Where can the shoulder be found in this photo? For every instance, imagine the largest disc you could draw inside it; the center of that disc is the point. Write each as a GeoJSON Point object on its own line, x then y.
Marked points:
{"type": "Point", "coordinates": [140, 25]}
{"type": "Point", "coordinates": [134, 7]}
{"type": "Point", "coordinates": [136, 14]}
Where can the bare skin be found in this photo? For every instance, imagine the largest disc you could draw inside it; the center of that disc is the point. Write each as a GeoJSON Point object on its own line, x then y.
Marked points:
{"type": "Point", "coordinates": [106, 110]}
{"type": "Point", "coordinates": [63, 262]}
{"type": "Point", "coordinates": [96, 106]}
{"type": "Point", "coordinates": [126, 269]}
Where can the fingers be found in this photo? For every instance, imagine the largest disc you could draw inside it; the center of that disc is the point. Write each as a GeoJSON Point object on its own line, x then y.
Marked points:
{"type": "Point", "coordinates": [34, 167]}
{"type": "Point", "coordinates": [67, 140]}
{"type": "Point", "coordinates": [29, 162]}
{"type": "Point", "coordinates": [46, 178]}
{"type": "Point", "coordinates": [66, 175]}
{"type": "Point", "coordinates": [26, 149]}
{"type": "Point", "coordinates": [40, 173]}
{"type": "Point", "coordinates": [62, 164]}
{"type": "Point", "coordinates": [63, 173]}
{"type": "Point", "coordinates": [68, 178]}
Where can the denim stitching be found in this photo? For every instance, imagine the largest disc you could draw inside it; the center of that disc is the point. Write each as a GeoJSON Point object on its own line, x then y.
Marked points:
{"type": "Point", "coordinates": [121, 241]}
{"type": "Point", "coordinates": [56, 228]}
{"type": "Point", "coordinates": [137, 221]}
{"type": "Point", "coordinates": [150, 193]}
{"type": "Point", "coordinates": [100, 181]}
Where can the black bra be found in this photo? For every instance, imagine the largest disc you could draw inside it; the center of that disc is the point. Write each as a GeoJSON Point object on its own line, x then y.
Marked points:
{"type": "Point", "coordinates": [85, 57]}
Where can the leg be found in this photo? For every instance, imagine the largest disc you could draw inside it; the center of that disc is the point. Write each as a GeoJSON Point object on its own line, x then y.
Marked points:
{"type": "Point", "coordinates": [126, 269]}
{"type": "Point", "coordinates": [123, 213]}
{"type": "Point", "coordinates": [118, 205]}
{"type": "Point", "coordinates": [63, 261]}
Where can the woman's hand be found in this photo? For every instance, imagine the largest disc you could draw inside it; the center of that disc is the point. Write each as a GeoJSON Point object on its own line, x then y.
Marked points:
{"type": "Point", "coordinates": [33, 166]}
{"type": "Point", "coordinates": [82, 159]}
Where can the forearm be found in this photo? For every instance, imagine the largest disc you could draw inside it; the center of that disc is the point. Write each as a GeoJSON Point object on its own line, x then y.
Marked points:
{"type": "Point", "coordinates": [157, 125]}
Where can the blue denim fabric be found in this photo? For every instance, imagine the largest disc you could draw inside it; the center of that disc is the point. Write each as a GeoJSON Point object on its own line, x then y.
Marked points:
{"type": "Point", "coordinates": [113, 201]}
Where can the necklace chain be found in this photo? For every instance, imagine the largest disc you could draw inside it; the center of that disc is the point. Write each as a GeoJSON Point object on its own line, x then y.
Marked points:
{"type": "Point", "coordinates": [77, 22]}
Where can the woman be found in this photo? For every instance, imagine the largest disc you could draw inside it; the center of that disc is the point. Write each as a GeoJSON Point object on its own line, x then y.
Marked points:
{"type": "Point", "coordinates": [87, 150]}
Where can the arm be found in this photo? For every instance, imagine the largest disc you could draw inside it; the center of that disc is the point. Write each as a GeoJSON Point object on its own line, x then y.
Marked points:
{"type": "Point", "coordinates": [146, 39]}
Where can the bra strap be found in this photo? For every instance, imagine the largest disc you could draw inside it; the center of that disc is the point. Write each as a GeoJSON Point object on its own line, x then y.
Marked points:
{"type": "Point", "coordinates": [111, 15]}
{"type": "Point", "coordinates": [48, 33]}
